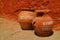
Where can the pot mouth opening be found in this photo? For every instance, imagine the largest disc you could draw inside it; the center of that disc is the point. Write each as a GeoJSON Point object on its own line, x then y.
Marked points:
{"type": "Point", "coordinates": [32, 10]}
{"type": "Point", "coordinates": [40, 14]}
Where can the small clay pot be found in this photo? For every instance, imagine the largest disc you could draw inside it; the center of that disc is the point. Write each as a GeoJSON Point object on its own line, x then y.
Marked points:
{"type": "Point", "coordinates": [25, 19]}
{"type": "Point", "coordinates": [43, 26]}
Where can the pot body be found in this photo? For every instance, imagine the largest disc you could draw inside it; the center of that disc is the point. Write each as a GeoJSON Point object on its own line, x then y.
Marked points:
{"type": "Point", "coordinates": [43, 25]}
{"type": "Point", "coordinates": [25, 19]}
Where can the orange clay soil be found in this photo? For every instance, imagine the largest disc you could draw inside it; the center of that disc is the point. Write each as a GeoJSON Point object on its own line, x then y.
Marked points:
{"type": "Point", "coordinates": [10, 8]}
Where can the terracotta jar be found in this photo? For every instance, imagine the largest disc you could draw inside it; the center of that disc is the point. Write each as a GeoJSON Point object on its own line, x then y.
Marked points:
{"type": "Point", "coordinates": [43, 26]}
{"type": "Point", "coordinates": [25, 19]}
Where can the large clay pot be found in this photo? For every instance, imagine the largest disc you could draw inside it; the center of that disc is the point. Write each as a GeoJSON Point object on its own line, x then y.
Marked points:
{"type": "Point", "coordinates": [25, 19]}
{"type": "Point", "coordinates": [43, 26]}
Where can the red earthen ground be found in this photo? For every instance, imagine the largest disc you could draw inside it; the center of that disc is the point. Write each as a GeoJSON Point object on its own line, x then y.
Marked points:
{"type": "Point", "coordinates": [10, 8]}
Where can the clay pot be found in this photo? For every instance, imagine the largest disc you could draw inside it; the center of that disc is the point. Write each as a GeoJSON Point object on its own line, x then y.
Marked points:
{"type": "Point", "coordinates": [25, 19]}
{"type": "Point", "coordinates": [43, 26]}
